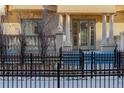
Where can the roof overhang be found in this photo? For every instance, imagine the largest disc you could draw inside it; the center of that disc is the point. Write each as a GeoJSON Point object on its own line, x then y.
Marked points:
{"type": "Point", "coordinates": [98, 9]}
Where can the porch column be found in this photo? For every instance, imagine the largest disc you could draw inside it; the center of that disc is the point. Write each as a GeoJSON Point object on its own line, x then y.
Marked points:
{"type": "Point", "coordinates": [60, 24]}
{"type": "Point", "coordinates": [118, 41]}
{"type": "Point", "coordinates": [59, 34]}
{"type": "Point", "coordinates": [68, 40]}
{"type": "Point", "coordinates": [103, 42]}
{"type": "Point", "coordinates": [111, 39]}
{"type": "Point", "coordinates": [1, 24]}
{"type": "Point", "coordinates": [2, 13]}
{"type": "Point", "coordinates": [2, 49]}
{"type": "Point", "coordinates": [122, 40]}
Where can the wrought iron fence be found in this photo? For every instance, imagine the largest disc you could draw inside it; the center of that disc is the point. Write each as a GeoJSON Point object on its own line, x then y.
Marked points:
{"type": "Point", "coordinates": [68, 69]}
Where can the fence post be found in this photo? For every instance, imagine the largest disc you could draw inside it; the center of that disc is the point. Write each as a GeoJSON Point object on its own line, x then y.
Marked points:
{"type": "Point", "coordinates": [58, 75]}
{"type": "Point", "coordinates": [22, 59]}
{"type": "Point", "coordinates": [119, 59]}
{"type": "Point", "coordinates": [58, 68]}
{"type": "Point", "coordinates": [92, 61]}
{"type": "Point", "coordinates": [31, 64]}
{"type": "Point", "coordinates": [115, 57]}
{"type": "Point", "coordinates": [60, 55]}
{"type": "Point", "coordinates": [95, 64]}
{"type": "Point", "coordinates": [118, 63]}
{"type": "Point", "coordinates": [2, 57]}
{"type": "Point", "coordinates": [81, 61]}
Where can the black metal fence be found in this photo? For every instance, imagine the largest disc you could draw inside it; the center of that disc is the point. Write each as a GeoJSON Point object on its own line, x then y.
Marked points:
{"type": "Point", "coordinates": [68, 69]}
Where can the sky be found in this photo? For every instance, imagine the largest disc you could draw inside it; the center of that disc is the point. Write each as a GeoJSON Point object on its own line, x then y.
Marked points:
{"type": "Point", "coordinates": [62, 2]}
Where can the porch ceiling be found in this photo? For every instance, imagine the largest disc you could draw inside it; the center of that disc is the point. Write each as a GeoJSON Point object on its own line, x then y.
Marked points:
{"type": "Point", "coordinates": [89, 9]}
{"type": "Point", "coordinates": [120, 8]}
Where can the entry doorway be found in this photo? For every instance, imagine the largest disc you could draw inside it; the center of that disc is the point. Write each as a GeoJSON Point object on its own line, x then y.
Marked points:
{"type": "Point", "coordinates": [84, 34]}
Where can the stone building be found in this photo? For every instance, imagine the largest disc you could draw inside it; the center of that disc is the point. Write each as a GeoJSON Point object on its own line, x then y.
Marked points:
{"type": "Point", "coordinates": [96, 27]}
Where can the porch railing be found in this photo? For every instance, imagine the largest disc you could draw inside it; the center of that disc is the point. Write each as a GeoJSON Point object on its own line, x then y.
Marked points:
{"type": "Point", "coordinates": [12, 43]}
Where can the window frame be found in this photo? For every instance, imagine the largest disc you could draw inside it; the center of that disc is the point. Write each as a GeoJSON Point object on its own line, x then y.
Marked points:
{"type": "Point", "coordinates": [33, 26]}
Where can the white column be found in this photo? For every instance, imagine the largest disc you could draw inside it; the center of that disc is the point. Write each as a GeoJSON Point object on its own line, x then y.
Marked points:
{"type": "Point", "coordinates": [0, 24]}
{"type": "Point", "coordinates": [59, 34]}
{"type": "Point", "coordinates": [2, 12]}
{"type": "Point", "coordinates": [122, 40]}
{"type": "Point", "coordinates": [111, 39]}
{"type": "Point", "coordinates": [103, 42]}
{"type": "Point", "coordinates": [68, 40]}
{"type": "Point", "coordinates": [118, 41]}
{"type": "Point", "coordinates": [60, 24]}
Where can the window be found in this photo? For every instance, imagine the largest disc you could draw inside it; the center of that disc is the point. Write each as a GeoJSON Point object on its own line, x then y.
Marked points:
{"type": "Point", "coordinates": [84, 33]}
{"type": "Point", "coordinates": [87, 32]}
{"type": "Point", "coordinates": [75, 33]}
{"type": "Point", "coordinates": [31, 26]}
{"type": "Point", "coordinates": [92, 29]}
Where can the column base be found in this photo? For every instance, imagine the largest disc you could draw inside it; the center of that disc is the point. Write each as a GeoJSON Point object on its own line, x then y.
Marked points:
{"type": "Point", "coordinates": [68, 46]}
{"type": "Point", "coordinates": [107, 48]}
{"type": "Point", "coordinates": [59, 40]}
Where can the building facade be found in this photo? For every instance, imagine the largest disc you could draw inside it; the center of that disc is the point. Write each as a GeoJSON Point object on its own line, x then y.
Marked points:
{"type": "Point", "coordinates": [96, 27]}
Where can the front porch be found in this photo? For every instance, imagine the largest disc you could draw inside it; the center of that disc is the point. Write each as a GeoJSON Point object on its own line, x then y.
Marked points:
{"type": "Point", "coordinates": [87, 31]}
{"type": "Point", "coordinates": [87, 27]}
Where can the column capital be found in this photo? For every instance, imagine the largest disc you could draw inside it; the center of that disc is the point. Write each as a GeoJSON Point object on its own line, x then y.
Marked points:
{"type": "Point", "coordinates": [105, 14]}
{"type": "Point", "coordinates": [108, 14]}
{"type": "Point", "coordinates": [111, 14]}
{"type": "Point", "coordinates": [104, 17]}
{"type": "Point", "coordinates": [67, 14]}
{"type": "Point", "coordinates": [111, 17]}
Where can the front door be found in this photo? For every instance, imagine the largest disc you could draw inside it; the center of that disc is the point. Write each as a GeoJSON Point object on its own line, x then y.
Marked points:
{"type": "Point", "coordinates": [75, 33]}
{"type": "Point", "coordinates": [84, 34]}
